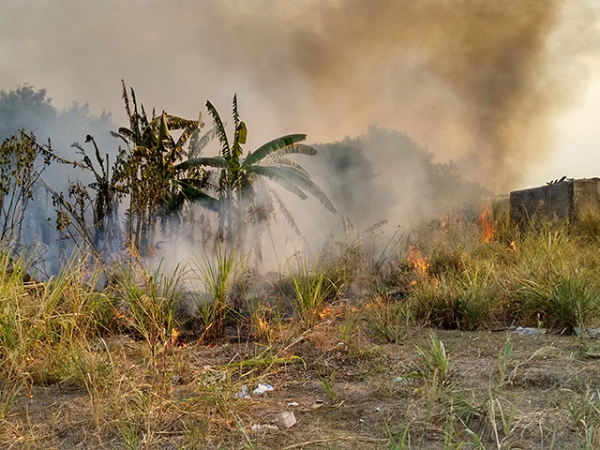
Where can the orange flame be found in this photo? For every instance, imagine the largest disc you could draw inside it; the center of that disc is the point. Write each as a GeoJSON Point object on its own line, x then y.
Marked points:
{"type": "Point", "coordinates": [262, 330]}
{"type": "Point", "coordinates": [487, 225]}
{"type": "Point", "coordinates": [325, 312]}
{"type": "Point", "coordinates": [262, 325]}
{"type": "Point", "coordinates": [420, 263]}
{"type": "Point", "coordinates": [174, 335]}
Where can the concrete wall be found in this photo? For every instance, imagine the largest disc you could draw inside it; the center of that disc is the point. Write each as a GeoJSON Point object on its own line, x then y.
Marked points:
{"type": "Point", "coordinates": [556, 201]}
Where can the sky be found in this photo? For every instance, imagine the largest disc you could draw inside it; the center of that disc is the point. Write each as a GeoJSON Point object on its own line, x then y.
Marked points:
{"type": "Point", "coordinates": [509, 91]}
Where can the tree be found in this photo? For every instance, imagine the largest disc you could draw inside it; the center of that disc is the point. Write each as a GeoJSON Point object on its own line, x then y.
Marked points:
{"type": "Point", "coordinates": [148, 173]}
{"type": "Point", "coordinates": [26, 109]}
{"type": "Point", "coordinates": [20, 170]}
{"type": "Point", "coordinates": [242, 196]}
{"type": "Point", "coordinates": [32, 111]}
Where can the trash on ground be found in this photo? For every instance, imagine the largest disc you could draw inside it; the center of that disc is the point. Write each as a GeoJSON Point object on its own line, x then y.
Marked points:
{"type": "Point", "coordinates": [243, 392]}
{"type": "Point", "coordinates": [592, 333]}
{"type": "Point", "coordinates": [530, 330]}
{"type": "Point", "coordinates": [263, 427]}
{"type": "Point", "coordinates": [262, 389]}
{"type": "Point", "coordinates": [286, 419]}
{"type": "Point", "coordinates": [212, 376]}
{"type": "Point", "coordinates": [293, 404]}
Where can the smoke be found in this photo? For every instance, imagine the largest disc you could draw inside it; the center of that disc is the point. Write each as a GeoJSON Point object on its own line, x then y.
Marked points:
{"type": "Point", "coordinates": [478, 82]}
{"type": "Point", "coordinates": [472, 80]}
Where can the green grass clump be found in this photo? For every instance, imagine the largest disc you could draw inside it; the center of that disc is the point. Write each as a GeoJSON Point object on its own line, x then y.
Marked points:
{"type": "Point", "coordinates": [218, 275]}
{"type": "Point", "coordinates": [42, 322]}
{"type": "Point", "coordinates": [562, 301]}
{"type": "Point", "coordinates": [311, 289]}
{"type": "Point", "coordinates": [463, 301]}
{"type": "Point", "coordinates": [387, 319]}
{"type": "Point", "coordinates": [151, 300]}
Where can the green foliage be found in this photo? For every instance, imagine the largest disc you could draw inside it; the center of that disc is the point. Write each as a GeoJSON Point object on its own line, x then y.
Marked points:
{"type": "Point", "coordinates": [242, 196]}
{"type": "Point", "coordinates": [403, 441]}
{"type": "Point", "coordinates": [311, 289]}
{"type": "Point", "coordinates": [59, 314]}
{"type": "Point", "coordinates": [463, 301]}
{"type": "Point", "coordinates": [20, 171]}
{"type": "Point", "coordinates": [151, 300]}
{"type": "Point", "coordinates": [218, 274]}
{"type": "Point", "coordinates": [584, 412]}
{"type": "Point", "coordinates": [504, 359]}
{"type": "Point", "coordinates": [434, 361]}
{"type": "Point", "coordinates": [564, 300]}
{"type": "Point", "coordinates": [147, 172]}
{"type": "Point", "coordinates": [106, 201]}
{"type": "Point", "coordinates": [387, 319]}
{"type": "Point", "coordinates": [328, 385]}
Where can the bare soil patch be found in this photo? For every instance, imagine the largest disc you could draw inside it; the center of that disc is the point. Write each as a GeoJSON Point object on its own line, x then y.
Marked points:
{"type": "Point", "coordinates": [344, 395]}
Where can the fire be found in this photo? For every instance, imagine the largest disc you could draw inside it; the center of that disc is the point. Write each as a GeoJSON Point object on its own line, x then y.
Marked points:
{"type": "Point", "coordinates": [262, 326]}
{"type": "Point", "coordinates": [420, 263]}
{"type": "Point", "coordinates": [262, 329]}
{"type": "Point", "coordinates": [325, 312]}
{"type": "Point", "coordinates": [174, 335]}
{"type": "Point", "coordinates": [487, 225]}
{"type": "Point", "coordinates": [445, 222]}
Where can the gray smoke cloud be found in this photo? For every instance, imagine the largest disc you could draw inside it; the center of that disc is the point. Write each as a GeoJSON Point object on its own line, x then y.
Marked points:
{"type": "Point", "coordinates": [478, 81]}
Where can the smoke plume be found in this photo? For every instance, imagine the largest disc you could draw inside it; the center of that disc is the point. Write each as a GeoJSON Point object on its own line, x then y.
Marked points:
{"type": "Point", "coordinates": [474, 80]}
{"type": "Point", "coordinates": [477, 81]}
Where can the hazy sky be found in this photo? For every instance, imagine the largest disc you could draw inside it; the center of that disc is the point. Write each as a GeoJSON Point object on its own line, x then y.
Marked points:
{"type": "Point", "coordinates": [510, 90]}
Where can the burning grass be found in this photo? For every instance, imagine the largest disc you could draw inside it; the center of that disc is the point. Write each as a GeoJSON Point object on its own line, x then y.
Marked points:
{"type": "Point", "coordinates": [128, 367]}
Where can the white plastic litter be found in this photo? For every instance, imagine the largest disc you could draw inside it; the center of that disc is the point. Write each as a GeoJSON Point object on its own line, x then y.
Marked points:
{"type": "Point", "coordinates": [243, 392]}
{"type": "Point", "coordinates": [530, 330]}
{"type": "Point", "coordinates": [260, 427]}
{"type": "Point", "coordinates": [262, 389]}
{"type": "Point", "coordinates": [593, 333]}
{"type": "Point", "coordinates": [286, 419]}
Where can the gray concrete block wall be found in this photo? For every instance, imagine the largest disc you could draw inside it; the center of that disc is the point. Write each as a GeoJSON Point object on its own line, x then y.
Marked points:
{"type": "Point", "coordinates": [556, 201]}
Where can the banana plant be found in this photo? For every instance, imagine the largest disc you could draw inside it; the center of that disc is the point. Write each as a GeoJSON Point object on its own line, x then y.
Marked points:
{"type": "Point", "coordinates": [243, 196]}
{"type": "Point", "coordinates": [148, 171]}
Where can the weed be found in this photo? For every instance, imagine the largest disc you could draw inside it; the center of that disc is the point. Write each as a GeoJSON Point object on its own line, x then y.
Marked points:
{"type": "Point", "coordinates": [350, 329]}
{"type": "Point", "coordinates": [8, 398]}
{"type": "Point", "coordinates": [584, 410]}
{"type": "Point", "coordinates": [504, 359]}
{"type": "Point", "coordinates": [328, 385]}
{"type": "Point", "coordinates": [565, 300]}
{"type": "Point", "coordinates": [130, 434]}
{"type": "Point", "coordinates": [435, 362]}
{"type": "Point", "coordinates": [311, 289]}
{"type": "Point", "coordinates": [248, 444]}
{"type": "Point", "coordinates": [403, 441]}
{"type": "Point", "coordinates": [387, 320]}
{"type": "Point", "coordinates": [151, 298]}
{"type": "Point", "coordinates": [463, 301]}
{"type": "Point", "coordinates": [218, 275]}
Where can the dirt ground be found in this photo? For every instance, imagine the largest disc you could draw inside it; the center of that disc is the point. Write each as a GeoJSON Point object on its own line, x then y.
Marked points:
{"type": "Point", "coordinates": [343, 395]}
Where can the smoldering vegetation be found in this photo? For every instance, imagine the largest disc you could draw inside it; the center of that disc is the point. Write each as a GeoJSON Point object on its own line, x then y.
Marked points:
{"type": "Point", "coordinates": [386, 175]}
{"type": "Point", "coordinates": [158, 270]}
{"type": "Point", "coordinates": [75, 181]}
